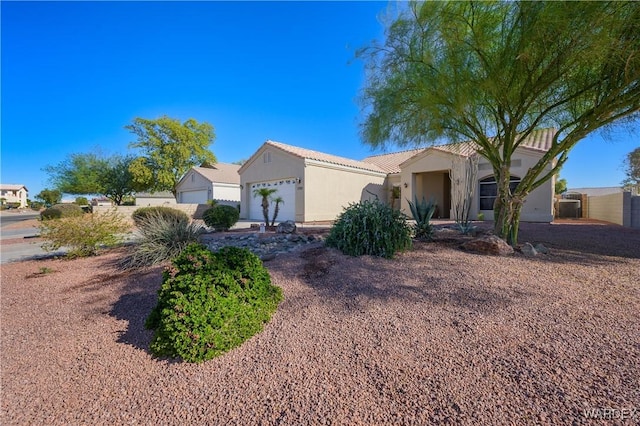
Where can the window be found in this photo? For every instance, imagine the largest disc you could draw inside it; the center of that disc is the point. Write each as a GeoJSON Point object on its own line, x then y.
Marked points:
{"type": "Point", "coordinates": [489, 191]}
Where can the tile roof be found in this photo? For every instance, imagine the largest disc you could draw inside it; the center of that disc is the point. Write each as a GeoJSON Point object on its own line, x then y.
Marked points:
{"type": "Point", "coordinates": [539, 140]}
{"type": "Point", "coordinates": [327, 158]}
{"type": "Point", "coordinates": [220, 172]}
{"type": "Point", "coordinates": [11, 187]}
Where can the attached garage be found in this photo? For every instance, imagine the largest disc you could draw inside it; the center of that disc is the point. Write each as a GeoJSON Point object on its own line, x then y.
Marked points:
{"type": "Point", "coordinates": [219, 182]}
{"type": "Point", "coordinates": [286, 189]}
{"type": "Point", "coordinates": [193, 197]}
{"type": "Point", "coordinates": [314, 186]}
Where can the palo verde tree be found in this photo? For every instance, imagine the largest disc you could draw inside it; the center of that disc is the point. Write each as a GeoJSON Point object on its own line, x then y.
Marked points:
{"type": "Point", "coordinates": [169, 149]}
{"type": "Point", "coordinates": [494, 72]}
{"type": "Point", "coordinates": [632, 170]}
{"type": "Point", "coordinates": [78, 174]}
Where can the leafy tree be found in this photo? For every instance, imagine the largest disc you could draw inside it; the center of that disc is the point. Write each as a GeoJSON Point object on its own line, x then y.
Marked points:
{"type": "Point", "coordinates": [266, 194]}
{"type": "Point", "coordinates": [117, 182]}
{"type": "Point", "coordinates": [49, 197]}
{"type": "Point", "coordinates": [169, 149]}
{"type": "Point", "coordinates": [82, 201]}
{"type": "Point", "coordinates": [561, 186]}
{"type": "Point", "coordinates": [78, 174]}
{"type": "Point", "coordinates": [493, 72]}
{"type": "Point", "coordinates": [632, 170]}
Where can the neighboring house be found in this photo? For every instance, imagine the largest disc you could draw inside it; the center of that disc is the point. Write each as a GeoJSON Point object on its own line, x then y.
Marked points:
{"type": "Point", "coordinates": [219, 182]}
{"type": "Point", "coordinates": [14, 194]}
{"type": "Point", "coordinates": [101, 201]}
{"type": "Point", "coordinates": [316, 186]}
{"type": "Point", "coordinates": [162, 198]}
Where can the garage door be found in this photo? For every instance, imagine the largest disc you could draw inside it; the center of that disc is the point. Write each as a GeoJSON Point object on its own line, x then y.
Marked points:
{"type": "Point", "coordinates": [286, 188]}
{"type": "Point", "coordinates": [193, 197]}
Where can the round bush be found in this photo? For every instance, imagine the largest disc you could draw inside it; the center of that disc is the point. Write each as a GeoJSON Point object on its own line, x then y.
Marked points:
{"type": "Point", "coordinates": [210, 303]}
{"type": "Point", "coordinates": [221, 217]}
{"type": "Point", "coordinates": [371, 228]}
{"type": "Point", "coordinates": [143, 213]}
{"type": "Point", "coordinates": [58, 211]}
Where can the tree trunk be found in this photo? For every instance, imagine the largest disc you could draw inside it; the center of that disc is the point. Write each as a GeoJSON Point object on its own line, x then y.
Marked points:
{"type": "Point", "coordinates": [276, 210]}
{"type": "Point", "coordinates": [507, 209]}
{"type": "Point", "coordinates": [265, 210]}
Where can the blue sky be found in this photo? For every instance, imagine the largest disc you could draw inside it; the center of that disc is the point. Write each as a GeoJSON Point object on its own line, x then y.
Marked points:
{"type": "Point", "coordinates": [75, 73]}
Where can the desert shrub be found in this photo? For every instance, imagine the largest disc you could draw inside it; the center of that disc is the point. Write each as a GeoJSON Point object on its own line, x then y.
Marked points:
{"type": "Point", "coordinates": [58, 211]}
{"type": "Point", "coordinates": [210, 303]}
{"type": "Point", "coordinates": [166, 212]}
{"type": "Point", "coordinates": [162, 237]}
{"type": "Point", "coordinates": [370, 227]}
{"type": "Point", "coordinates": [422, 213]}
{"type": "Point", "coordinates": [221, 217]}
{"type": "Point", "coordinates": [83, 235]}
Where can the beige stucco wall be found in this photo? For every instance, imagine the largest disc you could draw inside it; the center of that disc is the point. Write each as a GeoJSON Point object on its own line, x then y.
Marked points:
{"type": "Point", "coordinates": [15, 196]}
{"type": "Point", "coordinates": [149, 202]}
{"type": "Point", "coordinates": [609, 208]}
{"type": "Point", "coordinates": [226, 191]}
{"type": "Point", "coordinates": [192, 210]}
{"type": "Point", "coordinates": [538, 206]}
{"type": "Point", "coordinates": [281, 166]}
{"type": "Point", "coordinates": [435, 161]}
{"type": "Point", "coordinates": [328, 189]}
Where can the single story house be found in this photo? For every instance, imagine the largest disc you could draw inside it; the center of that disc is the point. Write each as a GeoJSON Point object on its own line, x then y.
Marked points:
{"type": "Point", "coordinates": [219, 182]}
{"type": "Point", "coordinates": [316, 186]}
{"type": "Point", "coordinates": [14, 194]}
{"type": "Point", "coordinates": [162, 198]}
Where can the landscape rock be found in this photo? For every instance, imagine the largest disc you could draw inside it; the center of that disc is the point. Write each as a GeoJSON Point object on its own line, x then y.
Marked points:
{"type": "Point", "coordinates": [265, 246]}
{"type": "Point", "coordinates": [286, 227]}
{"type": "Point", "coordinates": [528, 250]}
{"type": "Point", "coordinates": [540, 248]}
{"type": "Point", "coordinates": [488, 244]}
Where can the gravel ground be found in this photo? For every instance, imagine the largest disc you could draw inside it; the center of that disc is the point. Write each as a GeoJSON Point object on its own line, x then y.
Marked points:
{"type": "Point", "coordinates": [434, 336]}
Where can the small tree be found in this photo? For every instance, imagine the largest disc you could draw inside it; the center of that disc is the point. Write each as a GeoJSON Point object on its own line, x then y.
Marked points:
{"type": "Point", "coordinates": [79, 173]}
{"type": "Point", "coordinates": [49, 197]}
{"type": "Point", "coordinates": [632, 170]}
{"type": "Point", "coordinates": [560, 186]}
{"type": "Point", "coordinates": [168, 150]}
{"type": "Point", "coordinates": [266, 194]}
{"type": "Point", "coordinates": [276, 209]}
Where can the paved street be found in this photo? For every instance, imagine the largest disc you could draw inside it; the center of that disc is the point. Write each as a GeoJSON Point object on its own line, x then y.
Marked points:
{"type": "Point", "coordinates": [19, 243]}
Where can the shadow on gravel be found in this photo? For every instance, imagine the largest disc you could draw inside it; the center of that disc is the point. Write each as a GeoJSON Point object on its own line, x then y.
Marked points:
{"type": "Point", "coordinates": [394, 283]}
{"type": "Point", "coordinates": [139, 297]}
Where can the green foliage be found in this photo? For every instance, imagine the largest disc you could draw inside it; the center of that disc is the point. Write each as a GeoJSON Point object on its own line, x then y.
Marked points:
{"type": "Point", "coordinates": [210, 303]}
{"type": "Point", "coordinates": [168, 150]}
{"type": "Point", "coordinates": [266, 195]}
{"type": "Point", "coordinates": [632, 170]}
{"type": "Point", "coordinates": [371, 228]}
{"type": "Point", "coordinates": [58, 211]}
{"type": "Point", "coordinates": [495, 72]}
{"type": "Point", "coordinates": [83, 235]}
{"type": "Point", "coordinates": [78, 173]}
{"type": "Point", "coordinates": [221, 217]}
{"type": "Point", "coordinates": [82, 201]}
{"type": "Point", "coordinates": [422, 213]}
{"type": "Point", "coordinates": [164, 235]}
{"type": "Point", "coordinates": [116, 180]}
{"type": "Point", "coordinates": [560, 186]}
{"type": "Point", "coordinates": [168, 213]}
{"type": "Point", "coordinates": [49, 197]}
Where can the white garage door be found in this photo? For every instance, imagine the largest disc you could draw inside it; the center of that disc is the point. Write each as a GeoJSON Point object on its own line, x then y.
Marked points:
{"type": "Point", "coordinates": [286, 189]}
{"type": "Point", "coordinates": [193, 197]}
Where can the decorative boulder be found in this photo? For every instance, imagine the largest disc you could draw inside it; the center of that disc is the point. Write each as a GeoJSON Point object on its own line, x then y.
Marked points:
{"type": "Point", "coordinates": [488, 244]}
{"type": "Point", "coordinates": [528, 250]}
{"type": "Point", "coordinates": [540, 248]}
{"type": "Point", "coordinates": [286, 227]}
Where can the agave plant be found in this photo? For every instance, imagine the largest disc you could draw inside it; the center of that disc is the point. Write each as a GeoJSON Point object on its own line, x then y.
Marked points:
{"type": "Point", "coordinates": [422, 213]}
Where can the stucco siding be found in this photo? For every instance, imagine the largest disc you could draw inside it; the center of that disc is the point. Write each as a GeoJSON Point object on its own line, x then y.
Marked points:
{"type": "Point", "coordinates": [327, 190]}
{"type": "Point", "coordinates": [226, 192]}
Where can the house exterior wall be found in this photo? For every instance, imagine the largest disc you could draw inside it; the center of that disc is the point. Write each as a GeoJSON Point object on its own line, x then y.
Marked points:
{"type": "Point", "coordinates": [538, 206]}
{"type": "Point", "coordinates": [226, 192]}
{"type": "Point", "coordinates": [154, 201]}
{"type": "Point", "coordinates": [194, 182]}
{"type": "Point", "coordinates": [280, 165]}
{"type": "Point", "coordinates": [328, 189]}
{"type": "Point", "coordinates": [15, 196]}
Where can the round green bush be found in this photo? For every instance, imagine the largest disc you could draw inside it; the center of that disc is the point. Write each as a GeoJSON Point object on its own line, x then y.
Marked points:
{"type": "Point", "coordinates": [371, 228]}
{"type": "Point", "coordinates": [221, 217]}
{"type": "Point", "coordinates": [58, 211]}
{"type": "Point", "coordinates": [143, 213]}
{"type": "Point", "coordinates": [210, 303]}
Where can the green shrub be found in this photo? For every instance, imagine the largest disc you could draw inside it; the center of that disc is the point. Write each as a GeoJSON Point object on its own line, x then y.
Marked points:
{"type": "Point", "coordinates": [82, 201]}
{"type": "Point", "coordinates": [58, 211]}
{"type": "Point", "coordinates": [210, 303]}
{"type": "Point", "coordinates": [422, 213]}
{"type": "Point", "coordinates": [166, 212]}
{"type": "Point", "coordinates": [372, 228]}
{"type": "Point", "coordinates": [221, 217]}
{"type": "Point", "coordinates": [163, 237]}
{"type": "Point", "coordinates": [83, 235]}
